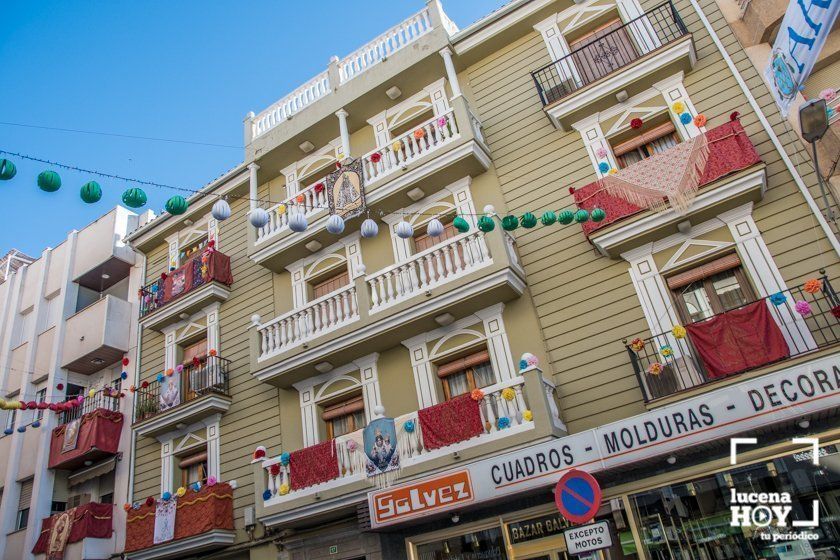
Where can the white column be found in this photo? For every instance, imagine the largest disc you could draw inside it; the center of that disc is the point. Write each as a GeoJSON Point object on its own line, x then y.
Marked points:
{"type": "Point", "coordinates": [424, 377]}
{"type": "Point", "coordinates": [597, 147]}
{"type": "Point", "coordinates": [642, 30]}
{"type": "Point", "coordinates": [214, 467]}
{"type": "Point", "coordinates": [213, 230]}
{"type": "Point", "coordinates": [309, 417]}
{"type": "Point", "coordinates": [213, 338]}
{"type": "Point", "coordinates": [299, 292]}
{"type": "Point", "coordinates": [673, 91]}
{"type": "Point", "coordinates": [345, 134]}
{"type": "Point", "coordinates": [370, 383]}
{"type": "Point", "coordinates": [558, 49]}
{"type": "Point", "coordinates": [170, 356]}
{"type": "Point", "coordinates": [167, 465]}
{"type": "Point", "coordinates": [353, 252]}
{"type": "Point", "coordinates": [253, 185]}
{"type": "Point", "coordinates": [173, 254]}
{"type": "Point", "coordinates": [497, 342]}
{"type": "Point", "coordinates": [451, 74]}
{"type": "Point", "coordinates": [437, 96]}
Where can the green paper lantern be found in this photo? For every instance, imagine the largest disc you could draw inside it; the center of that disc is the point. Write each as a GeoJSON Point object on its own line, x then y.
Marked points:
{"type": "Point", "coordinates": [7, 170]}
{"type": "Point", "coordinates": [91, 192]}
{"type": "Point", "coordinates": [461, 224]}
{"type": "Point", "coordinates": [581, 216]}
{"type": "Point", "coordinates": [528, 220]}
{"type": "Point", "coordinates": [134, 198]}
{"type": "Point", "coordinates": [510, 223]}
{"type": "Point", "coordinates": [176, 205]}
{"type": "Point", "coordinates": [597, 214]}
{"type": "Point", "coordinates": [486, 224]}
{"type": "Point", "coordinates": [49, 181]}
{"type": "Point", "coordinates": [548, 218]}
{"type": "Point", "coordinates": [566, 217]}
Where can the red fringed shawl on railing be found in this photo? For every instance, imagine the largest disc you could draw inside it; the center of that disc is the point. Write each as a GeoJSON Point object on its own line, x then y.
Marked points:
{"type": "Point", "coordinates": [729, 150]}
{"type": "Point", "coordinates": [313, 465]}
{"type": "Point", "coordinates": [91, 520]}
{"type": "Point", "coordinates": [450, 422]}
{"type": "Point", "coordinates": [738, 340]}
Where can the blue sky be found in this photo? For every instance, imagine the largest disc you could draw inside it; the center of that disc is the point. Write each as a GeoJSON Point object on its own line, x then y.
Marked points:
{"type": "Point", "coordinates": [179, 70]}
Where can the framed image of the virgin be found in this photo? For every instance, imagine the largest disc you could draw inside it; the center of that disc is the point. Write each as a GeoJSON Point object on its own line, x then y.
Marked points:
{"type": "Point", "coordinates": [346, 190]}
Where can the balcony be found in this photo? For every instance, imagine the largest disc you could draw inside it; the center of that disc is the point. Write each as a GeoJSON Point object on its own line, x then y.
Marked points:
{"type": "Point", "coordinates": [631, 57]}
{"type": "Point", "coordinates": [202, 391]}
{"type": "Point", "coordinates": [91, 526]}
{"type": "Point", "coordinates": [97, 336]}
{"type": "Point", "coordinates": [202, 280]}
{"type": "Point", "coordinates": [432, 155]}
{"type": "Point", "coordinates": [106, 259]}
{"type": "Point", "coordinates": [753, 337]}
{"type": "Point", "coordinates": [91, 437]}
{"type": "Point", "coordinates": [203, 522]}
{"type": "Point", "coordinates": [733, 175]}
{"type": "Point", "coordinates": [460, 276]}
{"type": "Point", "coordinates": [506, 415]}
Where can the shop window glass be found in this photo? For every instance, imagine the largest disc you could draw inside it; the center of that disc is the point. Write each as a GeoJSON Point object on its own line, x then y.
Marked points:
{"type": "Point", "coordinates": [479, 545]}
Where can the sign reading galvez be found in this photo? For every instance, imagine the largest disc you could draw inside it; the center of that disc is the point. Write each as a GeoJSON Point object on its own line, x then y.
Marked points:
{"type": "Point", "coordinates": [738, 408]}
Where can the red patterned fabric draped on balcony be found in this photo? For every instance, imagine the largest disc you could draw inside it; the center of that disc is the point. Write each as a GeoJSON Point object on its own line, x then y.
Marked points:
{"type": "Point", "coordinates": [93, 436]}
{"type": "Point", "coordinates": [87, 521]}
{"type": "Point", "coordinates": [313, 465]}
{"type": "Point", "coordinates": [210, 265]}
{"type": "Point", "coordinates": [730, 150]}
{"type": "Point", "coordinates": [449, 422]}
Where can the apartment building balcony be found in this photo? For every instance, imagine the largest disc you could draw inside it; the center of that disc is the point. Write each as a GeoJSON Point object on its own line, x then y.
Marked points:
{"type": "Point", "coordinates": [203, 522]}
{"type": "Point", "coordinates": [97, 336]}
{"type": "Point", "coordinates": [91, 532]}
{"type": "Point", "coordinates": [431, 155]}
{"type": "Point", "coordinates": [87, 434]}
{"type": "Point", "coordinates": [202, 390]}
{"type": "Point", "coordinates": [201, 281]}
{"type": "Point", "coordinates": [733, 175]}
{"type": "Point", "coordinates": [106, 259]}
{"type": "Point", "coordinates": [630, 58]}
{"type": "Point", "coordinates": [764, 335]}
{"type": "Point", "coordinates": [504, 415]}
{"type": "Point", "coordinates": [458, 277]}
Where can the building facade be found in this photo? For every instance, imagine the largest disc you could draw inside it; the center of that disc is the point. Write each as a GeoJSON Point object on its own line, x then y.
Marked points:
{"type": "Point", "coordinates": [506, 290]}
{"type": "Point", "coordinates": [69, 323]}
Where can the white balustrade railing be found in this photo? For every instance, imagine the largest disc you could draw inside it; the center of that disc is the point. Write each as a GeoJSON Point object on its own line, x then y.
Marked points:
{"type": "Point", "coordinates": [314, 319]}
{"type": "Point", "coordinates": [310, 200]}
{"type": "Point", "coordinates": [305, 95]}
{"type": "Point", "coordinates": [385, 45]}
{"type": "Point", "coordinates": [427, 269]}
{"type": "Point", "coordinates": [409, 146]}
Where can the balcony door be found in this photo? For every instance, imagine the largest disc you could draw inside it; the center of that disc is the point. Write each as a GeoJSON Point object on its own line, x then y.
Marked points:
{"type": "Point", "coordinates": [193, 382]}
{"type": "Point", "coordinates": [603, 51]}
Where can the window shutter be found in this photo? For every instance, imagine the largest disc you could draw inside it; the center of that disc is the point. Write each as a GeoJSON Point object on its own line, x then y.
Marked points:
{"type": "Point", "coordinates": [25, 495]}
{"type": "Point", "coordinates": [356, 404]}
{"type": "Point", "coordinates": [704, 271]}
{"type": "Point", "coordinates": [191, 460]}
{"type": "Point", "coordinates": [644, 138]}
{"type": "Point", "coordinates": [445, 370]}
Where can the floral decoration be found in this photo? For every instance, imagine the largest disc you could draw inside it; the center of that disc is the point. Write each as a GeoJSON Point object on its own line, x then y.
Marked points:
{"type": "Point", "coordinates": [678, 331]}
{"type": "Point", "coordinates": [211, 480]}
{"type": "Point", "coordinates": [283, 490]}
{"type": "Point", "coordinates": [601, 153]}
{"type": "Point", "coordinates": [813, 285]}
{"type": "Point", "coordinates": [476, 394]}
{"type": "Point", "coordinates": [700, 120]}
{"type": "Point", "coordinates": [655, 368]}
{"type": "Point", "coordinates": [352, 445]}
{"type": "Point", "coordinates": [637, 344]}
{"type": "Point", "coordinates": [274, 469]}
{"type": "Point", "coordinates": [419, 134]}
{"type": "Point", "coordinates": [441, 122]}
{"type": "Point", "coordinates": [396, 146]}
{"type": "Point", "coordinates": [603, 167]}
{"type": "Point", "coordinates": [829, 94]}
{"type": "Point", "coordinates": [778, 299]}
{"type": "Point", "coordinates": [678, 107]}
{"type": "Point", "coordinates": [409, 427]}
{"type": "Point", "coordinates": [527, 415]}
{"type": "Point", "coordinates": [318, 188]}
{"type": "Point", "coordinates": [802, 307]}
{"type": "Point", "coordinates": [666, 351]}
{"type": "Point", "coordinates": [285, 457]}
{"type": "Point", "coordinates": [503, 422]}
{"type": "Point", "coordinates": [636, 123]}
{"type": "Point", "coordinates": [300, 199]}
{"type": "Point", "coordinates": [150, 501]}
{"type": "Point", "coordinates": [180, 491]}
{"type": "Point", "coordinates": [685, 118]}
{"type": "Point", "coordinates": [266, 494]}
{"type": "Point", "coordinates": [508, 394]}
{"type": "Point", "coordinates": [375, 157]}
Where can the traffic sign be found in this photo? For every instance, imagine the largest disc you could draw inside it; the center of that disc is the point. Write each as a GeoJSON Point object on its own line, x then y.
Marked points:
{"type": "Point", "coordinates": [578, 496]}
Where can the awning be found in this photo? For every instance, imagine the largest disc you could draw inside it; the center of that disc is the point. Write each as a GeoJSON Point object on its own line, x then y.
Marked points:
{"type": "Point", "coordinates": [93, 471]}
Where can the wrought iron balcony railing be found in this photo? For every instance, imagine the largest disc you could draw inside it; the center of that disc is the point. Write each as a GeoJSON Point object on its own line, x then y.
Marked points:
{"type": "Point", "coordinates": [208, 376]}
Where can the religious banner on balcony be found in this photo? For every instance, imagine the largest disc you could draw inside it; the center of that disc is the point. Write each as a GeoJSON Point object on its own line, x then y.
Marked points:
{"type": "Point", "coordinates": [346, 190]}
{"type": "Point", "coordinates": [59, 535]}
{"type": "Point", "coordinates": [170, 395]}
{"type": "Point", "coordinates": [71, 436]}
{"type": "Point", "coordinates": [165, 520]}
{"type": "Point", "coordinates": [801, 37]}
{"type": "Point", "coordinates": [382, 452]}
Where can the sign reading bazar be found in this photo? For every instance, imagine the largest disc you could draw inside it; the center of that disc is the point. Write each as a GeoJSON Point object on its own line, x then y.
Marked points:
{"type": "Point", "coordinates": [783, 395]}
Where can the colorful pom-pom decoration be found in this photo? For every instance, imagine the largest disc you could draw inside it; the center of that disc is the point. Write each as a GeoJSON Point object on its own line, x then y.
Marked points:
{"type": "Point", "coordinates": [150, 501]}
{"type": "Point", "coordinates": [655, 368]}
{"type": "Point", "coordinates": [508, 394]}
{"type": "Point", "coordinates": [281, 209]}
{"type": "Point", "coordinates": [266, 494]}
{"type": "Point", "coordinates": [90, 192]}
{"type": "Point", "coordinates": [404, 230]}
{"type": "Point", "coordinates": [335, 224]}
{"type": "Point", "coordinates": [7, 170]}
{"type": "Point", "coordinates": [134, 197]}
{"type": "Point", "coordinates": [419, 134]}
{"type": "Point", "coordinates": [603, 167]}
{"type": "Point", "coordinates": [528, 220]}
{"type": "Point", "coordinates": [166, 496]}
{"type": "Point", "coordinates": [527, 415]}
{"type": "Point", "coordinates": [274, 469]}
{"type": "Point", "coordinates": [196, 487]}
{"type": "Point", "coordinates": [318, 188]}
{"type": "Point", "coordinates": [369, 229]}
{"type": "Point", "coordinates": [476, 394]}
{"type": "Point", "coordinates": [297, 222]}
{"type": "Point", "coordinates": [461, 224]}
{"type": "Point", "coordinates": [259, 452]}
{"type": "Point", "coordinates": [566, 217]}
{"type": "Point", "coordinates": [92, 393]}
{"type": "Point", "coordinates": [434, 228]}
{"type": "Point", "coordinates": [700, 120]}
{"type": "Point", "coordinates": [685, 118]}
{"type": "Point", "coordinates": [220, 210]}
{"type": "Point", "coordinates": [613, 171]}
{"type": "Point", "coordinates": [125, 361]}
{"type": "Point", "coordinates": [778, 299]}
{"type": "Point", "coordinates": [503, 422]}
{"type": "Point", "coordinates": [124, 375]}
{"type": "Point", "coordinates": [180, 491]}
{"type": "Point", "coordinates": [636, 123]}
{"type": "Point", "coordinates": [581, 216]}
{"type": "Point", "coordinates": [212, 480]}
{"type": "Point", "coordinates": [597, 215]}
{"type": "Point", "coordinates": [49, 181]}
{"type": "Point", "coordinates": [409, 427]}
{"type": "Point", "coordinates": [548, 218]}
{"type": "Point", "coordinates": [486, 224]}
{"type": "Point", "coordinates": [21, 429]}
{"type": "Point", "coordinates": [396, 146]}
{"type": "Point", "coordinates": [678, 331]}
{"type": "Point", "coordinates": [637, 345]}
{"type": "Point", "coordinates": [678, 107]}
{"type": "Point", "coordinates": [510, 223]}
{"type": "Point", "coordinates": [601, 153]}
{"type": "Point", "coordinates": [285, 458]}
{"type": "Point", "coordinates": [375, 157]}
{"type": "Point", "coordinates": [528, 360]}
{"type": "Point", "coordinates": [802, 307]}
{"type": "Point", "coordinates": [283, 490]}
{"type": "Point", "coordinates": [813, 286]}
{"type": "Point", "coordinates": [160, 378]}
{"type": "Point", "coordinates": [666, 351]}
{"type": "Point", "coordinates": [176, 205]}
{"type": "Point", "coordinates": [60, 387]}
{"type": "Point", "coordinates": [441, 122]}
{"type": "Point", "coordinates": [127, 507]}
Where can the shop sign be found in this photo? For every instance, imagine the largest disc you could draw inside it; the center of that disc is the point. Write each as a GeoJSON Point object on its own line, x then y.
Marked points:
{"type": "Point", "coordinates": [588, 538]}
{"type": "Point", "coordinates": [777, 397]}
{"type": "Point", "coordinates": [536, 528]}
{"type": "Point", "coordinates": [420, 498]}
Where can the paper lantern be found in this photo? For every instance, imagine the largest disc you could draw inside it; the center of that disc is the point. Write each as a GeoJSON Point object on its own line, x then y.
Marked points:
{"type": "Point", "coordinates": [404, 230]}
{"type": "Point", "coordinates": [221, 210]}
{"type": "Point", "coordinates": [486, 224]}
{"type": "Point", "coordinates": [369, 229]}
{"type": "Point", "coordinates": [510, 223]}
{"type": "Point", "coordinates": [566, 217]}
{"type": "Point", "coordinates": [134, 197]}
{"type": "Point", "coordinates": [8, 431]}
{"type": "Point", "coordinates": [21, 429]}
{"type": "Point", "coordinates": [528, 220]}
{"type": "Point", "coordinates": [461, 224]}
{"type": "Point", "coordinates": [258, 217]}
{"type": "Point", "coordinates": [548, 218]}
{"type": "Point", "coordinates": [581, 216]}
{"type": "Point", "coordinates": [176, 205]}
{"type": "Point", "coordinates": [597, 214]}
{"type": "Point", "coordinates": [7, 170]}
{"type": "Point", "coordinates": [90, 192]}
{"type": "Point", "coordinates": [49, 181]}
{"type": "Point", "coordinates": [297, 222]}
{"type": "Point", "coordinates": [335, 224]}
{"type": "Point", "coordinates": [434, 228]}
{"type": "Point", "coordinates": [36, 424]}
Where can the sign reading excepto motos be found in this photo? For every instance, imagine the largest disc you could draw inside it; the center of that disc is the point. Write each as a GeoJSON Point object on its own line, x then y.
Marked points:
{"type": "Point", "coordinates": [536, 528]}
{"type": "Point", "coordinates": [587, 538]}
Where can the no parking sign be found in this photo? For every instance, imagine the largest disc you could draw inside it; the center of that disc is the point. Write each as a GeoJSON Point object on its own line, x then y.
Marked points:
{"type": "Point", "coordinates": [578, 496]}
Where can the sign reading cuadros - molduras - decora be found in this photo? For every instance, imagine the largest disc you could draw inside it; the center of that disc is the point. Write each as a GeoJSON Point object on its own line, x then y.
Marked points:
{"type": "Point", "coordinates": [783, 395]}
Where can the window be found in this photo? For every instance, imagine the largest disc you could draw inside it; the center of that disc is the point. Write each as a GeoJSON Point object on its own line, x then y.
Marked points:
{"type": "Point", "coordinates": [21, 334]}
{"type": "Point", "coordinates": [22, 519]}
{"type": "Point", "coordinates": [193, 468]}
{"type": "Point", "coordinates": [52, 309]}
{"type": "Point", "coordinates": [10, 419]}
{"type": "Point", "coordinates": [106, 498]}
{"type": "Point", "coordinates": [712, 288]}
{"type": "Point", "coordinates": [345, 416]}
{"type": "Point", "coordinates": [189, 250]}
{"type": "Point", "coordinates": [648, 143]}
{"type": "Point", "coordinates": [330, 284]}
{"type": "Point", "coordinates": [40, 397]}
{"type": "Point", "coordinates": [78, 500]}
{"type": "Point", "coordinates": [465, 374]}
{"type": "Point", "coordinates": [58, 507]}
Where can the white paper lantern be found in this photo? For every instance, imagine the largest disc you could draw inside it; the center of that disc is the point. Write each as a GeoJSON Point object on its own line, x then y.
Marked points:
{"type": "Point", "coordinates": [404, 230]}
{"type": "Point", "coordinates": [335, 224]}
{"type": "Point", "coordinates": [435, 228]}
{"type": "Point", "coordinates": [297, 222]}
{"type": "Point", "coordinates": [369, 229]}
{"type": "Point", "coordinates": [221, 210]}
{"type": "Point", "coordinates": [258, 217]}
